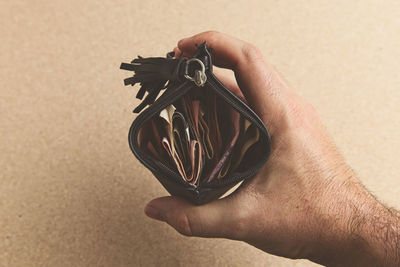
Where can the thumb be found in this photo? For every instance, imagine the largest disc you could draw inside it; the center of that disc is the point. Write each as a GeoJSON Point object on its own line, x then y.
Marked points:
{"type": "Point", "coordinates": [215, 219]}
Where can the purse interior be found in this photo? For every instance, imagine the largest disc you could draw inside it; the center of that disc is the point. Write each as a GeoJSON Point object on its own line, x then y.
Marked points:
{"type": "Point", "coordinates": [203, 138]}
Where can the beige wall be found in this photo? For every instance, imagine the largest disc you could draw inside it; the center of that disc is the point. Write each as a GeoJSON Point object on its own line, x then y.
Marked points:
{"type": "Point", "coordinates": [72, 193]}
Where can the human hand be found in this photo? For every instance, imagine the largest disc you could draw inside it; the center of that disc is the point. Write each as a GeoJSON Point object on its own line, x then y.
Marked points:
{"type": "Point", "coordinates": [306, 201]}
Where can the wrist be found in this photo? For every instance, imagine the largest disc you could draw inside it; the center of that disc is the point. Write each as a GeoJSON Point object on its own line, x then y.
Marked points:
{"type": "Point", "coordinates": [341, 222]}
{"type": "Point", "coordinates": [357, 230]}
{"type": "Point", "coordinates": [380, 234]}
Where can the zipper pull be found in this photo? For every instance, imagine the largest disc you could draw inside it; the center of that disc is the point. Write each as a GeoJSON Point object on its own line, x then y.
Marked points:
{"type": "Point", "coordinates": [200, 76]}
{"type": "Point", "coordinates": [157, 73]}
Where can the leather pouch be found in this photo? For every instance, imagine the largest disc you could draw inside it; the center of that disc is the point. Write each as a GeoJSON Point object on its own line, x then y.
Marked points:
{"type": "Point", "coordinates": [197, 138]}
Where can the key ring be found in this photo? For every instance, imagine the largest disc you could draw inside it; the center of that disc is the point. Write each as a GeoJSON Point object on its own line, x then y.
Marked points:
{"type": "Point", "coordinates": [199, 77]}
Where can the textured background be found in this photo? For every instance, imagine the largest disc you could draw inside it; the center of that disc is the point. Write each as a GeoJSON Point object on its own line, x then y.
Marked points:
{"type": "Point", "coordinates": [72, 193]}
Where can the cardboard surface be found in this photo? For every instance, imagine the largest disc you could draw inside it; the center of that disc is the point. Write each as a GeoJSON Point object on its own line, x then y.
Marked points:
{"type": "Point", "coordinates": [72, 193]}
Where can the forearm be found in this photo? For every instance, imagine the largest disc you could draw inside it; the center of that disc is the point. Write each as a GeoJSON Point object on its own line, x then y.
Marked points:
{"type": "Point", "coordinates": [381, 234]}
{"type": "Point", "coordinates": [367, 233]}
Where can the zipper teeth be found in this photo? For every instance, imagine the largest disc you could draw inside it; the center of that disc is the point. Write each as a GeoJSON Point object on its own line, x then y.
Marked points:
{"type": "Point", "coordinates": [147, 161]}
{"type": "Point", "coordinates": [261, 126]}
{"type": "Point", "coordinates": [235, 104]}
{"type": "Point", "coordinates": [139, 121]}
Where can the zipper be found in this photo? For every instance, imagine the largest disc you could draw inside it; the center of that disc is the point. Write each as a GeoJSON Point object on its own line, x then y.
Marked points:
{"type": "Point", "coordinates": [242, 108]}
{"type": "Point", "coordinates": [172, 94]}
{"type": "Point", "coordinates": [166, 99]}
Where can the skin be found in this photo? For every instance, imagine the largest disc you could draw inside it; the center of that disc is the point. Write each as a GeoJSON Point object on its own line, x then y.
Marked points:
{"type": "Point", "coordinates": [306, 202]}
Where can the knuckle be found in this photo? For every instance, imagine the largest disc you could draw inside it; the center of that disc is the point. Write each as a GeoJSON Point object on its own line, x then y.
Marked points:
{"type": "Point", "coordinates": [183, 225]}
{"type": "Point", "coordinates": [310, 108]}
{"type": "Point", "coordinates": [306, 107]}
{"type": "Point", "coordinates": [211, 35]}
{"type": "Point", "coordinates": [302, 112]}
{"type": "Point", "coordinates": [295, 109]}
{"type": "Point", "coordinates": [251, 52]}
{"type": "Point", "coordinates": [298, 116]}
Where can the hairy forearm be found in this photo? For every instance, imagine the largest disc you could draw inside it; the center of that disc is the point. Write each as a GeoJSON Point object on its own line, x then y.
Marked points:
{"type": "Point", "coordinates": [368, 236]}
{"type": "Point", "coordinates": [381, 234]}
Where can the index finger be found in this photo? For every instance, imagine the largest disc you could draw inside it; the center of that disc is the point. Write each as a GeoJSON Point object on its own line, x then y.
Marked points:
{"type": "Point", "coordinates": [259, 82]}
{"type": "Point", "coordinates": [227, 51]}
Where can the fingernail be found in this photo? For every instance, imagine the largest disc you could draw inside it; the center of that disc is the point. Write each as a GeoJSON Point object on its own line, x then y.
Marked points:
{"type": "Point", "coordinates": [152, 212]}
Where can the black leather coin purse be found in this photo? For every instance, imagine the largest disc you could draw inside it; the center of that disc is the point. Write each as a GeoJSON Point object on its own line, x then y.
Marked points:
{"type": "Point", "coordinates": [197, 138]}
